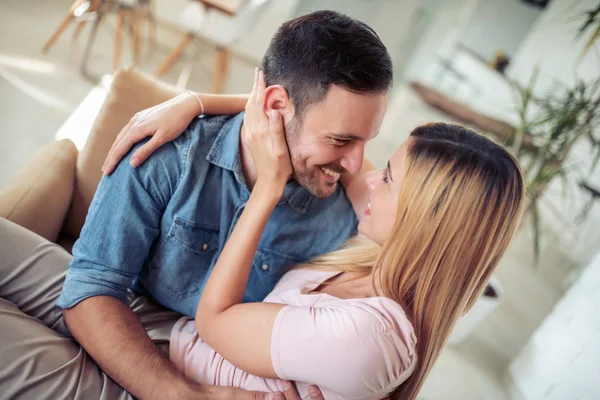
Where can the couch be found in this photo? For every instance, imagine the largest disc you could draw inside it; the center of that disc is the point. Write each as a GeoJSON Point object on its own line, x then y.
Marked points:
{"type": "Point", "coordinates": [52, 194]}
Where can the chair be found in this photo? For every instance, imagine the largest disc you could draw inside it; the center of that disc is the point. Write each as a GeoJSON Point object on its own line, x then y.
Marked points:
{"type": "Point", "coordinates": [130, 14]}
{"type": "Point", "coordinates": [198, 19]}
{"type": "Point", "coordinates": [77, 9]}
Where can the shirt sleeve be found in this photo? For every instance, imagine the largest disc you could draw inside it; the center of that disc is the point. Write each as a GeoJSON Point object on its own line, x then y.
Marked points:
{"type": "Point", "coordinates": [353, 349]}
{"type": "Point", "coordinates": [122, 223]}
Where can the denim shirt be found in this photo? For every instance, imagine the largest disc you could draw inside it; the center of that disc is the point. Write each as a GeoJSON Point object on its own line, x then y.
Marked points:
{"type": "Point", "coordinates": [158, 229]}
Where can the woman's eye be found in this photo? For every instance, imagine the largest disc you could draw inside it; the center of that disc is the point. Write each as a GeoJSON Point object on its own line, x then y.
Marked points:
{"type": "Point", "coordinates": [385, 175]}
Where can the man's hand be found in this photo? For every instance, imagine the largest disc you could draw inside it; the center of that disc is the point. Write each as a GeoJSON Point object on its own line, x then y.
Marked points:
{"type": "Point", "coordinates": [195, 391]}
{"type": "Point", "coordinates": [291, 394]}
{"type": "Point", "coordinates": [229, 393]}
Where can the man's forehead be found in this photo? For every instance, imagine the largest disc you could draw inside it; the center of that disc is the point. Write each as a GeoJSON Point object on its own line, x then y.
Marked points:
{"type": "Point", "coordinates": [338, 94]}
{"type": "Point", "coordinates": [350, 116]}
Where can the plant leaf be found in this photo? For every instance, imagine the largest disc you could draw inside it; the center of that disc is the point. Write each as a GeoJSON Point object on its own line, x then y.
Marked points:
{"type": "Point", "coordinates": [589, 21]}
{"type": "Point", "coordinates": [535, 221]}
{"type": "Point", "coordinates": [595, 162]}
{"type": "Point", "coordinates": [563, 180]}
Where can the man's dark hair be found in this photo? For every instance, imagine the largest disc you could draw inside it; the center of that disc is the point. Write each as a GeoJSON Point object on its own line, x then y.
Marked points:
{"type": "Point", "coordinates": [312, 52]}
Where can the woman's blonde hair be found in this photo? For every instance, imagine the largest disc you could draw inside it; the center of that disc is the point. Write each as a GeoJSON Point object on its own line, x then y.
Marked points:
{"type": "Point", "coordinates": [461, 201]}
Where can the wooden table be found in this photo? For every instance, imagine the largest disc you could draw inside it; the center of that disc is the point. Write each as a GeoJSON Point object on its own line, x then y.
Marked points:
{"type": "Point", "coordinates": [227, 7]}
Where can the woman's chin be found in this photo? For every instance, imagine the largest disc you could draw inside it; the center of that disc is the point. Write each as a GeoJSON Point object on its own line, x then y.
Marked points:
{"type": "Point", "coordinates": [363, 227]}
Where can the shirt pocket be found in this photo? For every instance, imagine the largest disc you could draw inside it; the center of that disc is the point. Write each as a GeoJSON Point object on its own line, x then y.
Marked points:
{"type": "Point", "coordinates": [185, 257]}
{"type": "Point", "coordinates": [267, 268]}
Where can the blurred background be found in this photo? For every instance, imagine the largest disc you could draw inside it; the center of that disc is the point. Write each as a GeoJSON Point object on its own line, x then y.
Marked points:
{"type": "Point", "coordinates": [524, 72]}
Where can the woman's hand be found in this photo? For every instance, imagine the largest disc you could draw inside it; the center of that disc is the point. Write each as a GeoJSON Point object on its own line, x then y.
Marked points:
{"type": "Point", "coordinates": [265, 138]}
{"type": "Point", "coordinates": [164, 122]}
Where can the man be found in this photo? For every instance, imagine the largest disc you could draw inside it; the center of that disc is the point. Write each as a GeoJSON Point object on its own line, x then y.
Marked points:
{"type": "Point", "coordinates": [157, 230]}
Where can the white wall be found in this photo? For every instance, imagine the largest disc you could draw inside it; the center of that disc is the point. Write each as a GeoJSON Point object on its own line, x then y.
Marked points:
{"type": "Point", "coordinates": [499, 25]}
{"type": "Point", "coordinates": [562, 360]}
{"type": "Point", "coordinates": [551, 44]}
{"type": "Point", "coordinates": [449, 19]}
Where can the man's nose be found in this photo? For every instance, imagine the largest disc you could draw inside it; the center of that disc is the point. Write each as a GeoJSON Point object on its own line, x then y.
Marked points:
{"type": "Point", "coordinates": [352, 161]}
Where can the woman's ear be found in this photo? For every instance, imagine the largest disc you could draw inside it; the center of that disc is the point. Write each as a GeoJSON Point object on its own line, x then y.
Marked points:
{"type": "Point", "coordinates": [277, 98]}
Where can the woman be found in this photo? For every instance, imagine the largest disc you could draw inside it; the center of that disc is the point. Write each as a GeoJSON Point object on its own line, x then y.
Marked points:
{"type": "Point", "coordinates": [370, 319]}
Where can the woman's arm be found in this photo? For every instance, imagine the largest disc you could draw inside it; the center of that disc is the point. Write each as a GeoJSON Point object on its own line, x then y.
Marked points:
{"type": "Point", "coordinates": [222, 104]}
{"type": "Point", "coordinates": [242, 332]}
{"type": "Point", "coordinates": [165, 122]}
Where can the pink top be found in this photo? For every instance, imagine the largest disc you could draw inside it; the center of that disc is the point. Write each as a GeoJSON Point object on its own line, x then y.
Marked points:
{"type": "Point", "coordinates": [350, 348]}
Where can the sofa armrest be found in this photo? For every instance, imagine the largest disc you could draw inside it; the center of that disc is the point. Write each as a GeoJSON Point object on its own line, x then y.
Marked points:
{"type": "Point", "coordinates": [131, 91]}
{"type": "Point", "coordinates": [38, 198]}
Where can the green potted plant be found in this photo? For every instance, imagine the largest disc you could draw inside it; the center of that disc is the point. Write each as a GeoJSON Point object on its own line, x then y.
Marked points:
{"type": "Point", "coordinates": [550, 126]}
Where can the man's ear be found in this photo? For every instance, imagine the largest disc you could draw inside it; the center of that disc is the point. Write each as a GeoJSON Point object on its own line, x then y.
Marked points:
{"type": "Point", "coordinates": [277, 98]}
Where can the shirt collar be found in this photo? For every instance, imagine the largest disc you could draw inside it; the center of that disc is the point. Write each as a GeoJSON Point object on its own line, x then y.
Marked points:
{"type": "Point", "coordinates": [225, 153]}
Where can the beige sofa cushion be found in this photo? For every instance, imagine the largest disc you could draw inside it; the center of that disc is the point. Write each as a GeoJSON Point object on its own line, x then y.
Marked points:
{"type": "Point", "coordinates": [131, 91]}
{"type": "Point", "coordinates": [39, 197]}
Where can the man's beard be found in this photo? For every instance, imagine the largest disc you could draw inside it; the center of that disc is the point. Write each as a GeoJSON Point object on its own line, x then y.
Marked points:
{"type": "Point", "coordinates": [306, 177]}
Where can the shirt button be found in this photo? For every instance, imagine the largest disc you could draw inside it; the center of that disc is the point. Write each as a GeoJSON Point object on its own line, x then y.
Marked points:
{"type": "Point", "coordinates": [204, 246]}
{"type": "Point", "coordinates": [265, 267]}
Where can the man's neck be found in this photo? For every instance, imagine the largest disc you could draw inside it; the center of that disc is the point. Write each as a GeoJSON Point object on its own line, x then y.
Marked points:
{"type": "Point", "coordinates": [248, 167]}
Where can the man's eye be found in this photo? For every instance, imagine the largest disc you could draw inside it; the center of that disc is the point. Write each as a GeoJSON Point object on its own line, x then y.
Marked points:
{"type": "Point", "coordinates": [340, 142]}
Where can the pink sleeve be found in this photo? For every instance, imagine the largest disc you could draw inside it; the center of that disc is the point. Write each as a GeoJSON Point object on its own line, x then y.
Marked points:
{"type": "Point", "coordinates": [355, 349]}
